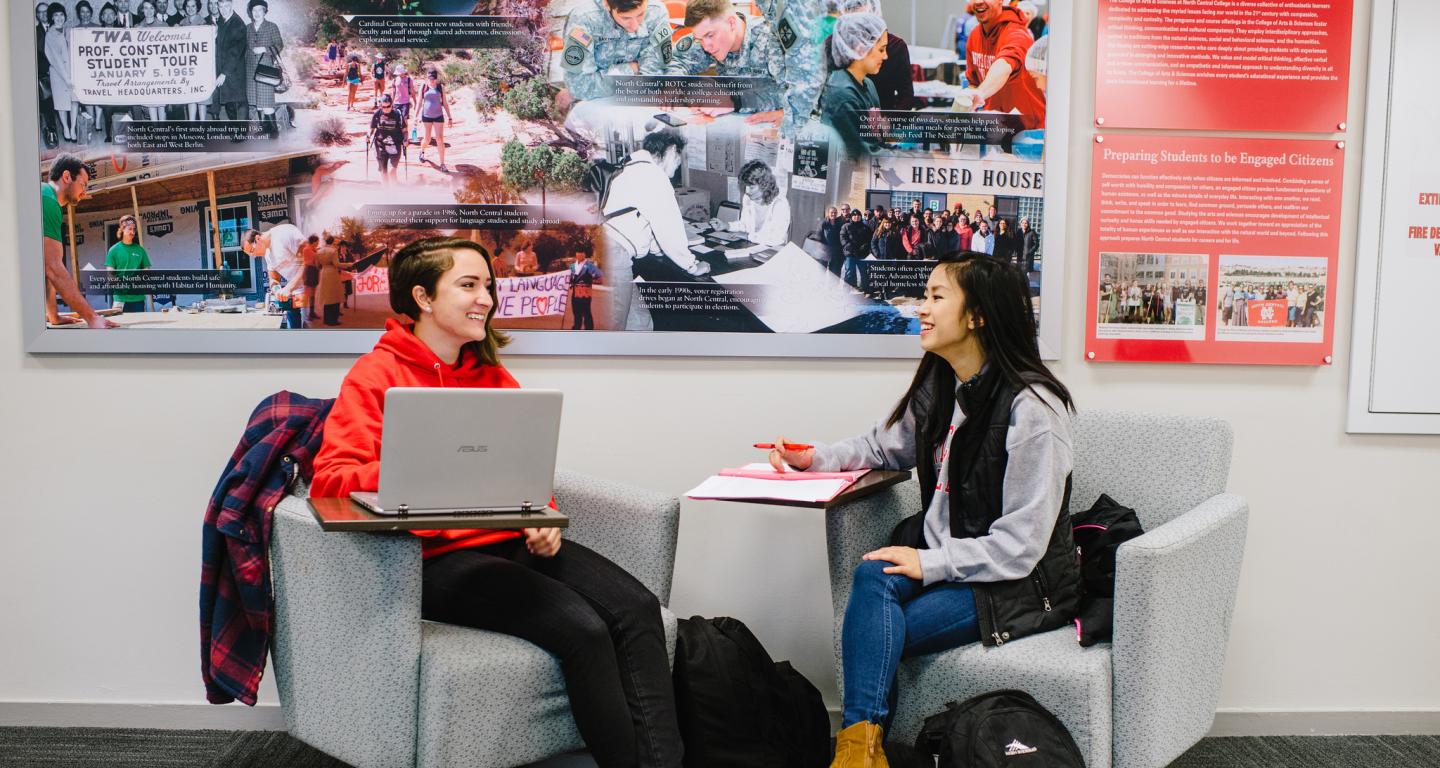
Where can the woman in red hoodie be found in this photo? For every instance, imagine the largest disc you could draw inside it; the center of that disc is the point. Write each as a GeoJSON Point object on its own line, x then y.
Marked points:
{"type": "Point", "coordinates": [600, 622]}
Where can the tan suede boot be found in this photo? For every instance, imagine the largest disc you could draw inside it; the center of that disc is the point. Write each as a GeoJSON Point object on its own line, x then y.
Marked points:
{"type": "Point", "coordinates": [862, 745]}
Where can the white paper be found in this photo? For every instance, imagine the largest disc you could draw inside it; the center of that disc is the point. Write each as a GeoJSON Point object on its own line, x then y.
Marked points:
{"type": "Point", "coordinates": [718, 487]}
{"type": "Point", "coordinates": [803, 296]}
{"type": "Point", "coordinates": [694, 147]}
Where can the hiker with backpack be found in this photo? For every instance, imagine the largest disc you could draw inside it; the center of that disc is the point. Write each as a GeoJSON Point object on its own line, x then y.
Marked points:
{"type": "Point", "coordinates": [990, 556]}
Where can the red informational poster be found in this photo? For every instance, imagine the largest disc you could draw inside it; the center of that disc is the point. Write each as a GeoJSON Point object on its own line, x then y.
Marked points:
{"type": "Point", "coordinates": [1213, 250]}
{"type": "Point", "coordinates": [1266, 65]}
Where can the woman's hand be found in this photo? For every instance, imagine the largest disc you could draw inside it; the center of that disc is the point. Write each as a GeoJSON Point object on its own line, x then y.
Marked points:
{"type": "Point", "coordinates": [542, 542]}
{"type": "Point", "coordinates": [906, 560]}
{"type": "Point", "coordinates": [800, 460]}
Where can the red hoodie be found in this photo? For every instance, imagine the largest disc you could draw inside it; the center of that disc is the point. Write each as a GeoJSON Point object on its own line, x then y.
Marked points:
{"type": "Point", "coordinates": [1006, 39]}
{"type": "Point", "coordinates": [349, 458]}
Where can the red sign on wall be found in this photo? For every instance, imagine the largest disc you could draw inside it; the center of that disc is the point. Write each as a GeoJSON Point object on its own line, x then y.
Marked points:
{"type": "Point", "coordinates": [1213, 250]}
{"type": "Point", "coordinates": [1262, 65]}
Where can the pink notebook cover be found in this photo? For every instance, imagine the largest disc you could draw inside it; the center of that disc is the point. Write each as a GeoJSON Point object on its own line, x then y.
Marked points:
{"type": "Point", "coordinates": [760, 474]}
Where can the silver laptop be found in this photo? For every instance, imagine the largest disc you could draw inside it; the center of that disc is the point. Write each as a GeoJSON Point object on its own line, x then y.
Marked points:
{"type": "Point", "coordinates": [466, 451]}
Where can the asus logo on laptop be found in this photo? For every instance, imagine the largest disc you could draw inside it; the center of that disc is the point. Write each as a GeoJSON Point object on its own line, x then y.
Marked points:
{"type": "Point", "coordinates": [474, 449]}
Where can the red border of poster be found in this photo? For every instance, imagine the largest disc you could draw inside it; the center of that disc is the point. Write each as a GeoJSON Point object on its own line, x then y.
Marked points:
{"type": "Point", "coordinates": [1270, 68]}
{"type": "Point", "coordinates": [1166, 210]}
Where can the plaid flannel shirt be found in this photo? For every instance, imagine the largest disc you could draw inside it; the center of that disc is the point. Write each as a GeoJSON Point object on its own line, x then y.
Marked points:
{"type": "Point", "coordinates": [236, 607]}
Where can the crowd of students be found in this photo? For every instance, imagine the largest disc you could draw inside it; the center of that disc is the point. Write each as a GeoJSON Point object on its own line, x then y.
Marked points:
{"type": "Point", "coordinates": [1133, 301]}
{"type": "Point", "coordinates": [892, 234]}
{"type": "Point", "coordinates": [1304, 304]}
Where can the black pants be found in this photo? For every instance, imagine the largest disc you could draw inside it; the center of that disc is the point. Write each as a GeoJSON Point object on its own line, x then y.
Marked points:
{"type": "Point", "coordinates": [599, 621]}
{"type": "Point", "coordinates": [583, 319]}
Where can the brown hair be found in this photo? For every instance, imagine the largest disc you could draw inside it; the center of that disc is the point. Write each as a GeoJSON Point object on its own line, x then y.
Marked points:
{"type": "Point", "coordinates": [697, 11]}
{"type": "Point", "coordinates": [422, 263]}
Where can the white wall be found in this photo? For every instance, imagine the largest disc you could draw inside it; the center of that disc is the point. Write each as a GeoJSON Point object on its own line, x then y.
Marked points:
{"type": "Point", "coordinates": [107, 463]}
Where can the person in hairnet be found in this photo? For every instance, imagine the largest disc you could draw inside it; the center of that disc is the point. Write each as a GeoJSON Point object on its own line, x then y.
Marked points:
{"type": "Point", "coordinates": [893, 82]}
{"type": "Point", "coordinates": [857, 49]}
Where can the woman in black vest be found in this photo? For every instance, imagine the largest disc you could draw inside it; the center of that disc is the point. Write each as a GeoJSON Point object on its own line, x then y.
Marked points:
{"type": "Point", "coordinates": [989, 556]}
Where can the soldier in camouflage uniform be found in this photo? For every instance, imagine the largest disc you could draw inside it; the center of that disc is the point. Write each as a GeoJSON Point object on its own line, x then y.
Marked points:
{"type": "Point", "coordinates": [738, 45]}
{"type": "Point", "coordinates": [778, 45]}
{"type": "Point", "coordinates": [793, 22]}
{"type": "Point", "coordinates": [614, 32]}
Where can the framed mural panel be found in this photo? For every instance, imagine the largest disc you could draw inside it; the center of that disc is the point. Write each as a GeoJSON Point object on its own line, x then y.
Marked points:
{"type": "Point", "coordinates": [648, 178]}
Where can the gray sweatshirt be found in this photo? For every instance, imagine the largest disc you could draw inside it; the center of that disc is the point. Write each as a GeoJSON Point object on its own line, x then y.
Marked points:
{"type": "Point", "coordinates": [1040, 459]}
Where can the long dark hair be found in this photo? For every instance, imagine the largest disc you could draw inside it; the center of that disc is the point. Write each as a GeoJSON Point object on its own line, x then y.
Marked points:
{"type": "Point", "coordinates": [998, 294]}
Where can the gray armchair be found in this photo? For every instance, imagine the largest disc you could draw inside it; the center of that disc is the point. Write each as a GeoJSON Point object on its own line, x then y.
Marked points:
{"type": "Point", "coordinates": [364, 679]}
{"type": "Point", "coordinates": [1144, 699]}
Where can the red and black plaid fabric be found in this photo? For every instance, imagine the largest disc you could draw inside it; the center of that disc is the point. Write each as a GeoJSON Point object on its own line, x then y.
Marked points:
{"type": "Point", "coordinates": [236, 606]}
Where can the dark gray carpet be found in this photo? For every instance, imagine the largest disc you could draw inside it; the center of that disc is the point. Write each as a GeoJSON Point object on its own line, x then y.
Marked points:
{"type": "Point", "coordinates": [130, 748]}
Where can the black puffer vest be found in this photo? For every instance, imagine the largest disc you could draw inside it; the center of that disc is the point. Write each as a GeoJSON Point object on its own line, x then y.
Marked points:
{"type": "Point", "coordinates": [1049, 597]}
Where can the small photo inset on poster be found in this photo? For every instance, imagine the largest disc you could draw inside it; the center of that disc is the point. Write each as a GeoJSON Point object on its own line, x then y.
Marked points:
{"type": "Point", "coordinates": [1152, 296]}
{"type": "Point", "coordinates": [977, 88]}
{"type": "Point", "coordinates": [695, 60]}
{"type": "Point", "coordinates": [1271, 298]}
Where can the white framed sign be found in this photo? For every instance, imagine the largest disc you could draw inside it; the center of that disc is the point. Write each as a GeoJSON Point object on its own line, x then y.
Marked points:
{"type": "Point", "coordinates": [1395, 353]}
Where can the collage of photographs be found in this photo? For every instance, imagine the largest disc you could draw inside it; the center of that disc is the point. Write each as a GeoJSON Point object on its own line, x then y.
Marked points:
{"type": "Point", "coordinates": [776, 166]}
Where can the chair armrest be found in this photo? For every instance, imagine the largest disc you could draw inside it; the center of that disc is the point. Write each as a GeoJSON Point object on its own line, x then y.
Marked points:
{"type": "Point", "coordinates": [858, 527]}
{"type": "Point", "coordinates": [347, 637]}
{"type": "Point", "coordinates": [1174, 597]}
{"type": "Point", "coordinates": [634, 527]}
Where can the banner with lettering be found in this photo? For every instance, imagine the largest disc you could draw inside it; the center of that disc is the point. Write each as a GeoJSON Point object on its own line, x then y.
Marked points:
{"type": "Point", "coordinates": [373, 282]}
{"type": "Point", "coordinates": [144, 66]}
{"type": "Point", "coordinates": [537, 296]}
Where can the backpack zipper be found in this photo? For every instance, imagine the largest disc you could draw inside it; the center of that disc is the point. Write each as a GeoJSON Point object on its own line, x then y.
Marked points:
{"type": "Point", "coordinates": [1040, 585]}
{"type": "Point", "coordinates": [999, 637]}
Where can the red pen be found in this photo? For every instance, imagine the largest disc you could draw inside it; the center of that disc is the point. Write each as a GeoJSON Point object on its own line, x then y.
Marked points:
{"type": "Point", "coordinates": [788, 446]}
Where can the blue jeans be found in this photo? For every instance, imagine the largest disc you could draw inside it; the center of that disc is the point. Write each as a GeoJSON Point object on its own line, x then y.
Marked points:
{"type": "Point", "coordinates": [891, 617]}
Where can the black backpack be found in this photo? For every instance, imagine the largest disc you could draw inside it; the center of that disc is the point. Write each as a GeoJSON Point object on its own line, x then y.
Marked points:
{"type": "Point", "coordinates": [738, 708]}
{"type": "Point", "coordinates": [1099, 531]}
{"type": "Point", "coordinates": [1000, 729]}
{"type": "Point", "coordinates": [598, 176]}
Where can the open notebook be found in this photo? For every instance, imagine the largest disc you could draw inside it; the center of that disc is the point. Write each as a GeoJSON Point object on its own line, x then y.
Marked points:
{"type": "Point", "coordinates": [760, 482]}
